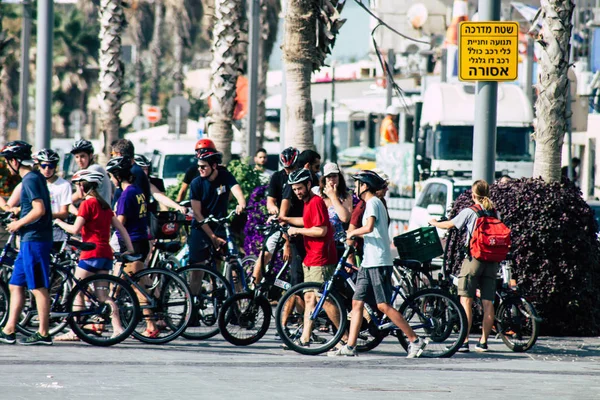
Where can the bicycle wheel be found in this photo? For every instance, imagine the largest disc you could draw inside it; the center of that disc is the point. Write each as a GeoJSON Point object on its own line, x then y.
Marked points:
{"type": "Point", "coordinates": [436, 317]}
{"type": "Point", "coordinates": [4, 303]}
{"type": "Point", "coordinates": [244, 319]}
{"type": "Point", "coordinates": [248, 263]}
{"type": "Point", "coordinates": [209, 291]}
{"type": "Point", "coordinates": [517, 324]}
{"type": "Point", "coordinates": [58, 291]}
{"type": "Point", "coordinates": [232, 273]}
{"type": "Point", "coordinates": [103, 310]}
{"type": "Point", "coordinates": [166, 304]}
{"type": "Point", "coordinates": [327, 328]}
{"type": "Point", "coordinates": [369, 337]}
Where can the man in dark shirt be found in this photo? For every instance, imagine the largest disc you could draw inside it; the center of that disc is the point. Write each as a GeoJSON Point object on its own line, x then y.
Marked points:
{"type": "Point", "coordinates": [210, 196]}
{"type": "Point", "coordinates": [190, 174]}
{"type": "Point", "coordinates": [32, 266]}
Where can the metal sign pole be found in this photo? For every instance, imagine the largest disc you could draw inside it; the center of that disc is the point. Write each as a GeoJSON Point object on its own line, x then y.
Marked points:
{"type": "Point", "coordinates": [43, 95]}
{"type": "Point", "coordinates": [486, 99]}
{"type": "Point", "coordinates": [177, 120]}
{"type": "Point", "coordinates": [253, 75]}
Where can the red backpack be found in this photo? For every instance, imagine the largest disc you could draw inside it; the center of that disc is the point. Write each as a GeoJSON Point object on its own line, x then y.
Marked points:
{"type": "Point", "coordinates": [490, 239]}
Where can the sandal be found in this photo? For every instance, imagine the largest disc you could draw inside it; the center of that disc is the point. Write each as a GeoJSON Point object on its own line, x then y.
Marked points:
{"type": "Point", "coordinates": [151, 334]}
{"type": "Point", "coordinates": [67, 337]}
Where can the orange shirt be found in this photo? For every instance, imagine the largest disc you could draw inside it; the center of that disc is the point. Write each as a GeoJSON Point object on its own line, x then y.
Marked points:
{"type": "Point", "coordinates": [388, 132]}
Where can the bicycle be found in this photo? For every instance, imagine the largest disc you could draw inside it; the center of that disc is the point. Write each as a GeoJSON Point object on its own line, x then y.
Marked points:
{"type": "Point", "coordinates": [431, 313]}
{"type": "Point", "coordinates": [516, 321]}
{"type": "Point", "coordinates": [245, 317]}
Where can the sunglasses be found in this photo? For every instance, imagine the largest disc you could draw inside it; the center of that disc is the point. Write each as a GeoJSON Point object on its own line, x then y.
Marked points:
{"type": "Point", "coordinates": [203, 167]}
{"type": "Point", "coordinates": [46, 166]}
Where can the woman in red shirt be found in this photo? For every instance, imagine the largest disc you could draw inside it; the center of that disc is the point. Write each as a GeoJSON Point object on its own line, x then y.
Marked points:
{"type": "Point", "coordinates": [94, 220]}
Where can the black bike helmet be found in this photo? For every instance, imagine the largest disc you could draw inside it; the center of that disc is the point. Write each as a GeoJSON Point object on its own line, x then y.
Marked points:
{"type": "Point", "coordinates": [47, 155]}
{"type": "Point", "coordinates": [289, 156]}
{"type": "Point", "coordinates": [300, 176]}
{"type": "Point", "coordinates": [82, 146]}
{"type": "Point", "coordinates": [118, 164]}
{"type": "Point", "coordinates": [371, 179]}
{"type": "Point", "coordinates": [142, 160]}
{"type": "Point", "coordinates": [209, 155]}
{"type": "Point", "coordinates": [18, 150]}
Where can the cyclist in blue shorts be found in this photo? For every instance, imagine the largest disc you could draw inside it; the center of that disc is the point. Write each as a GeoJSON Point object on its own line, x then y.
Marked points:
{"type": "Point", "coordinates": [32, 266]}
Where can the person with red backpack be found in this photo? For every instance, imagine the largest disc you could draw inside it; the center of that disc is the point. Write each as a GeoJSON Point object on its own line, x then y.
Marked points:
{"type": "Point", "coordinates": [488, 243]}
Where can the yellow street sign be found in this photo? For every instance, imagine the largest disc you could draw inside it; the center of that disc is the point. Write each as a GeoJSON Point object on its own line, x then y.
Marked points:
{"type": "Point", "coordinates": [488, 51]}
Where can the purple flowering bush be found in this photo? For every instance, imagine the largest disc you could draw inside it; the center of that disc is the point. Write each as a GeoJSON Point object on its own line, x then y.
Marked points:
{"type": "Point", "coordinates": [257, 215]}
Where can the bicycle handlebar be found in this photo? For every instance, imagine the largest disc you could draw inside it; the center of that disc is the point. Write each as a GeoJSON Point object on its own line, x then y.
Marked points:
{"type": "Point", "coordinates": [211, 218]}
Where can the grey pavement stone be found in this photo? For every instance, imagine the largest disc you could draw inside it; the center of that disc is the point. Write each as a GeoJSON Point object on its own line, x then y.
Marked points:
{"type": "Point", "coordinates": [556, 368]}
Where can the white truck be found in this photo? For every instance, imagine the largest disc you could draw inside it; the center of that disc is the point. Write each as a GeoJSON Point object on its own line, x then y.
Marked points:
{"type": "Point", "coordinates": [445, 149]}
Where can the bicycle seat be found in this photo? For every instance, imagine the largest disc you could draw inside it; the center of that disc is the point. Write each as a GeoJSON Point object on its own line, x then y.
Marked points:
{"type": "Point", "coordinates": [409, 264]}
{"type": "Point", "coordinates": [169, 247]}
{"type": "Point", "coordinates": [84, 246]}
{"type": "Point", "coordinates": [127, 258]}
{"type": "Point", "coordinates": [263, 228]}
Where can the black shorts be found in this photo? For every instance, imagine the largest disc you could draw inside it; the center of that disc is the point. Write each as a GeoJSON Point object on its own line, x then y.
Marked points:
{"type": "Point", "coordinates": [374, 285]}
{"type": "Point", "coordinates": [141, 247]}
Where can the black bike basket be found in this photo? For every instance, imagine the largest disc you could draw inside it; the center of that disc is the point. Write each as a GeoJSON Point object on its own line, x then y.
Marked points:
{"type": "Point", "coordinates": [165, 225]}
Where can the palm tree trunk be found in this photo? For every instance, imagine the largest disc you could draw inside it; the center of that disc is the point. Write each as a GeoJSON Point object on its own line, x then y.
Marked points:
{"type": "Point", "coordinates": [139, 76]}
{"type": "Point", "coordinates": [553, 87]}
{"type": "Point", "coordinates": [300, 58]}
{"type": "Point", "coordinates": [269, 24]}
{"type": "Point", "coordinates": [5, 106]}
{"type": "Point", "coordinates": [112, 24]}
{"type": "Point", "coordinates": [224, 66]}
{"type": "Point", "coordinates": [155, 50]}
{"type": "Point", "coordinates": [178, 67]}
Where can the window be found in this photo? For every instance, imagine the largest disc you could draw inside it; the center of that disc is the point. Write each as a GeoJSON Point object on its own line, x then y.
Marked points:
{"type": "Point", "coordinates": [456, 143]}
{"type": "Point", "coordinates": [436, 193]}
{"type": "Point", "coordinates": [176, 164]}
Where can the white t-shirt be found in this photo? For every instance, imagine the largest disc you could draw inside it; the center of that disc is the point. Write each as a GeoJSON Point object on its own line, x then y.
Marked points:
{"type": "Point", "coordinates": [377, 251]}
{"type": "Point", "coordinates": [60, 195]}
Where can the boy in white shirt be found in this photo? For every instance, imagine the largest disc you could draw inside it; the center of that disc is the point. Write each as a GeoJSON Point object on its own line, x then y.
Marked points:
{"type": "Point", "coordinates": [374, 277]}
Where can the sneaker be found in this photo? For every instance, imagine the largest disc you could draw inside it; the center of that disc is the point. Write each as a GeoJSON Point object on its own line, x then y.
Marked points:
{"type": "Point", "coordinates": [481, 347]}
{"type": "Point", "coordinates": [297, 342]}
{"type": "Point", "coordinates": [345, 350]}
{"type": "Point", "coordinates": [415, 349]}
{"type": "Point", "coordinates": [7, 338]}
{"type": "Point", "coordinates": [317, 339]}
{"type": "Point", "coordinates": [36, 339]}
{"type": "Point", "coordinates": [464, 348]}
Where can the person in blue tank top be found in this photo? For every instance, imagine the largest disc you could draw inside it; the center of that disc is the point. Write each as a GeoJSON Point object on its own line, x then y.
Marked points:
{"type": "Point", "coordinates": [32, 266]}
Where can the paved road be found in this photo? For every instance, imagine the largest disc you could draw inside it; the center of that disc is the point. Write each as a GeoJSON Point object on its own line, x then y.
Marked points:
{"type": "Point", "coordinates": [560, 368]}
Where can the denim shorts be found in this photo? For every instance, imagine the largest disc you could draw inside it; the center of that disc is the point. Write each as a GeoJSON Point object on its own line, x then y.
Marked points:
{"type": "Point", "coordinates": [32, 266]}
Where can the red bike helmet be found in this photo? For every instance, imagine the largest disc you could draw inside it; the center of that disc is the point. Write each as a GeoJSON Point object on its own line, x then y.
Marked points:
{"type": "Point", "coordinates": [205, 144]}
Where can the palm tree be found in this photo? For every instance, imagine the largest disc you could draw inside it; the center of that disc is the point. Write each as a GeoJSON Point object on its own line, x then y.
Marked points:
{"type": "Point", "coordinates": [7, 61]}
{"type": "Point", "coordinates": [304, 50]}
{"type": "Point", "coordinates": [225, 69]}
{"type": "Point", "coordinates": [156, 51]}
{"type": "Point", "coordinates": [553, 87]}
{"type": "Point", "coordinates": [137, 15]}
{"type": "Point", "coordinates": [76, 46]}
{"type": "Point", "coordinates": [112, 26]}
{"type": "Point", "coordinates": [269, 24]}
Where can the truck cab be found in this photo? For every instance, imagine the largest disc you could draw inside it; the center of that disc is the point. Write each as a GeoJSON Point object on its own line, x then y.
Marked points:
{"type": "Point", "coordinates": [445, 141]}
{"type": "Point", "coordinates": [435, 200]}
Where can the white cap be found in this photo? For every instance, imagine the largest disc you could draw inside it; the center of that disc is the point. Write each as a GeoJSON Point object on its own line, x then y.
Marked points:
{"type": "Point", "coordinates": [330, 169]}
{"type": "Point", "coordinates": [393, 110]}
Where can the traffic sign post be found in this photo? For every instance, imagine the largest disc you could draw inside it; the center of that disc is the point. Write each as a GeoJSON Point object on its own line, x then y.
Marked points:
{"type": "Point", "coordinates": [179, 108]}
{"type": "Point", "coordinates": [488, 51]}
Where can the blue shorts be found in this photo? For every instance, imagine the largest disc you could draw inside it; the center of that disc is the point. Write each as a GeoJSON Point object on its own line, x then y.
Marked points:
{"type": "Point", "coordinates": [96, 265]}
{"type": "Point", "coordinates": [32, 266]}
{"type": "Point", "coordinates": [199, 245]}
